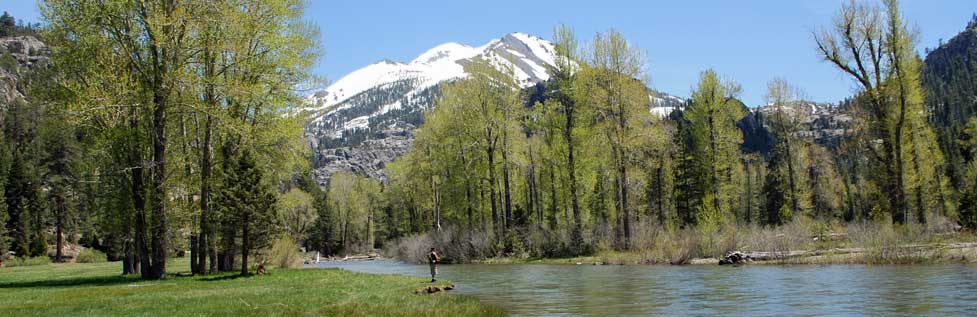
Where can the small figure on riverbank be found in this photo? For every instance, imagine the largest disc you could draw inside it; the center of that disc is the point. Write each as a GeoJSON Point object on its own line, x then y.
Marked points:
{"type": "Point", "coordinates": [432, 259]}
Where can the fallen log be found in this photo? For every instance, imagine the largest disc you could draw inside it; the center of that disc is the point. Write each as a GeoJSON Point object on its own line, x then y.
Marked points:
{"type": "Point", "coordinates": [736, 257]}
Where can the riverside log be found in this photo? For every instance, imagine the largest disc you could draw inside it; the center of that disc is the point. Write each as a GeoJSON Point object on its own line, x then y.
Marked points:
{"type": "Point", "coordinates": [738, 257]}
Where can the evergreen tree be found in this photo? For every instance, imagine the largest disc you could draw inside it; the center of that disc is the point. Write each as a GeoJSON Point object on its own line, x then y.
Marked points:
{"type": "Point", "coordinates": [246, 197]}
{"type": "Point", "coordinates": [17, 194]}
{"type": "Point", "coordinates": [323, 237]}
{"type": "Point", "coordinates": [7, 24]}
{"type": "Point", "coordinates": [4, 217]}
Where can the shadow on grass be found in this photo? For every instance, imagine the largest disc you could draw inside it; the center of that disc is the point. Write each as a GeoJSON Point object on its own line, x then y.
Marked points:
{"type": "Point", "coordinates": [225, 277]}
{"type": "Point", "coordinates": [72, 282]}
{"type": "Point", "coordinates": [88, 281]}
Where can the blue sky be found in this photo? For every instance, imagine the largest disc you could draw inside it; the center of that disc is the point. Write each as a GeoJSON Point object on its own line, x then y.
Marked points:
{"type": "Point", "coordinates": [750, 41]}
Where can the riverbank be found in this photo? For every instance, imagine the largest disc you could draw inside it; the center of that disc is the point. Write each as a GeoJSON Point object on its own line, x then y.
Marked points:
{"type": "Point", "coordinates": [795, 243]}
{"type": "Point", "coordinates": [98, 289]}
{"type": "Point", "coordinates": [943, 253]}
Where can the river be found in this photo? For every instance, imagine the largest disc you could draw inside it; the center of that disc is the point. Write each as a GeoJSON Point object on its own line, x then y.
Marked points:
{"type": "Point", "coordinates": [757, 290]}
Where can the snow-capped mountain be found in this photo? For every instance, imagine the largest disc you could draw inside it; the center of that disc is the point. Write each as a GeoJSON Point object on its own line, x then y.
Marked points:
{"type": "Point", "coordinates": [352, 102]}
{"type": "Point", "coordinates": [383, 102]}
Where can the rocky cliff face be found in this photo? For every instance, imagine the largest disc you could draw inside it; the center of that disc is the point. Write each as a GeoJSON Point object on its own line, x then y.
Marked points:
{"type": "Point", "coordinates": [368, 158]}
{"type": "Point", "coordinates": [18, 55]}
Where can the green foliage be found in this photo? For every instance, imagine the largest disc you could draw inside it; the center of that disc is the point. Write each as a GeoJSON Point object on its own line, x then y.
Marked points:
{"type": "Point", "coordinates": [247, 200]}
{"type": "Point", "coordinates": [27, 261]}
{"type": "Point", "coordinates": [353, 201]}
{"type": "Point", "coordinates": [89, 255]}
{"type": "Point", "coordinates": [890, 103]}
{"type": "Point", "coordinates": [284, 253]}
{"type": "Point", "coordinates": [38, 245]}
{"type": "Point", "coordinates": [323, 238]}
{"type": "Point", "coordinates": [712, 116]}
{"type": "Point", "coordinates": [297, 214]}
{"type": "Point", "coordinates": [148, 106]}
{"type": "Point", "coordinates": [8, 62]}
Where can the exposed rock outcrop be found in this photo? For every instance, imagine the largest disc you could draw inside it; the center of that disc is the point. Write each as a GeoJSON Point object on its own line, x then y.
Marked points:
{"type": "Point", "coordinates": [368, 158]}
{"type": "Point", "coordinates": [18, 54]}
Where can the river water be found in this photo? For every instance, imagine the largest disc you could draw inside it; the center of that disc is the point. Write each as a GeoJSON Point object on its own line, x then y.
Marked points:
{"type": "Point", "coordinates": [757, 290]}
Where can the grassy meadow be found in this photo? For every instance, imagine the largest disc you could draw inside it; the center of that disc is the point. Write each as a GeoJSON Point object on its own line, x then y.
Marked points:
{"type": "Point", "coordinates": [97, 289]}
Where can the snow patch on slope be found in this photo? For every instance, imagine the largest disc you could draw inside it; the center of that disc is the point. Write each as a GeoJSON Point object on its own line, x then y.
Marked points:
{"type": "Point", "coordinates": [528, 57]}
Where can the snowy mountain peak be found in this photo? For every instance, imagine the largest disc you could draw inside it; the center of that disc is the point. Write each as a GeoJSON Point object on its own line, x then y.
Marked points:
{"type": "Point", "coordinates": [450, 52]}
{"type": "Point", "coordinates": [528, 56]}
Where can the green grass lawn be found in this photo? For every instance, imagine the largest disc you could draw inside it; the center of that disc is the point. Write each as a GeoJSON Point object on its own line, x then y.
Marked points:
{"type": "Point", "coordinates": [99, 290]}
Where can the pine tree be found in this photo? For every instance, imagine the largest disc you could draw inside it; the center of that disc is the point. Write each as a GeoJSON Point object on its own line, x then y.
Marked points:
{"type": "Point", "coordinates": [7, 24]}
{"type": "Point", "coordinates": [323, 237]}
{"type": "Point", "coordinates": [4, 217]}
{"type": "Point", "coordinates": [18, 204]}
{"type": "Point", "coordinates": [247, 198]}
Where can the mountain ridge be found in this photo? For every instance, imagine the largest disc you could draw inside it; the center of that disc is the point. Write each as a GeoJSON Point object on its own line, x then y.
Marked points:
{"type": "Point", "coordinates": [366, 118]}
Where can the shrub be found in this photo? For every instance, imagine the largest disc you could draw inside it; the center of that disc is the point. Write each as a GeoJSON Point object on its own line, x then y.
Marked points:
{"type": "Point", "coordinates": [38, 245]}
{"type": "Point", "coordinates": [285, 254]}
{"type": "Point", "coordinates": [90, 255]}
{"type": "Point", "coordinates": [40, 260]}
{"type": "Point", "coordinates": [456, 245]}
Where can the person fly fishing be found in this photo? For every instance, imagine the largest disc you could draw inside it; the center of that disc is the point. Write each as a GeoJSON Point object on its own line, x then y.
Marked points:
{"type": "Point", "coordinates": [432, 259]}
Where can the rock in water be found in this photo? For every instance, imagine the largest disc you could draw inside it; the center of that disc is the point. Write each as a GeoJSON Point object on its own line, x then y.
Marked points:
{"type": "Point", "coordinates": [734, 257]}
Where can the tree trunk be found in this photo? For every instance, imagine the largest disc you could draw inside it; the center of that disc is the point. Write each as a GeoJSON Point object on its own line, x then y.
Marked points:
{"type": "Point", "coordinates": [490, 152]}
{"type": "Point", "coordinates": [229, 233]}
{"type": "Point", "coordinates": [659, 182]}
{"type": "Point", "coordinates": [158, 199]}
{"type": "Point", "coordinates": [194, 253]}
{"type": "Point", "coordinates": [577, 234]}
{"type": "Point", "coordinates": [138, 197]}
{"type": "Point", "coordinates": [554, 223]}
{"type": "Point", "coordinates": [505, 183]}
{"type": "Point", "coordinates": [206, 246]}
{"type": "Point", "coordinates": [245, 242]}
{"type": "Point", "coordinates": [468, 201]}
{"type": "Point", "coordinates": [795, 204]}
{"type": "Point", "coordinates": [59, 224]}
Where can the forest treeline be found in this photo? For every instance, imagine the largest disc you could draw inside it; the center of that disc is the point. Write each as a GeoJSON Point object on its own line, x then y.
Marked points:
{"type": "Point", "coordinates": [579, 165]}
{"type": "Point", "coordinates": [158, 127]}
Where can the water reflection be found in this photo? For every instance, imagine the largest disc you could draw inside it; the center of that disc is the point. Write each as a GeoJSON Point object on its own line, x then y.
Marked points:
{"type": "Point", "coordinates": [708, 290]}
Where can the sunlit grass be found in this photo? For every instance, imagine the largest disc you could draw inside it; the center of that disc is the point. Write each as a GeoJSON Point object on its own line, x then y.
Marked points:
{"type": "Point", "coordinates": [98, 290]}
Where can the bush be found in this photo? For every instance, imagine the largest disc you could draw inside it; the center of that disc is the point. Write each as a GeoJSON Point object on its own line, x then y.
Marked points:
{"type": "Point", "coordinates": [90, 255]}
{"type": "Point", "coordinates": [455, 245]}
{"type": "Point", "coordinates": [285, 254]}
{"type": "Point", "coordinates": [40, 260]}
{"type": "Point", "coordinates": [38, 246]}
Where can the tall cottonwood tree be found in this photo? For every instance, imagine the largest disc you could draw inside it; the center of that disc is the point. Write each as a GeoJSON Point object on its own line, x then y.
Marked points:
{"type": "Point", "coordinates": [610, 84]}
{"type": "Point", "coordinates": [787, 189]}
{"type": "Point", "coordinates": [151, 38]}
{"type": "Point", "coordinates": [712, 115]}
{"type": "Point", "coordinates": [873, 46]}
{"type": "Point", "coordinates": [567, 64]}
{"type": "Point", "coordinates": [152, 74]}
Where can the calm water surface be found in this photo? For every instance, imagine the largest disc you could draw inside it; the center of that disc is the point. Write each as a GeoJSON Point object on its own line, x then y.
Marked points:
{"type": "Point", "coordinates": [809, 290]}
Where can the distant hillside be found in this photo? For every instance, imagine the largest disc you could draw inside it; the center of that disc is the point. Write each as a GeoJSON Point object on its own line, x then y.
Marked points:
{"type": "Point", "coordinates": [950, 79]}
